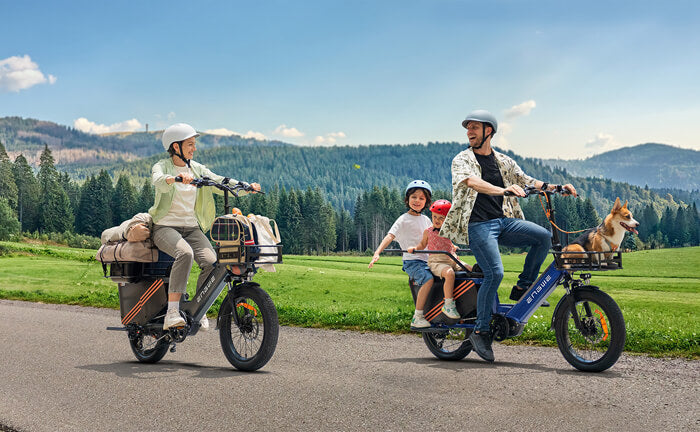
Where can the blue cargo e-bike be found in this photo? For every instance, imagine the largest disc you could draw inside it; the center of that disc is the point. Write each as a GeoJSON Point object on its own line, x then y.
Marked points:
{"type": "Point", "coordinates": [247, 321]}
{"type": "Point", "coordinates": [588, 324]}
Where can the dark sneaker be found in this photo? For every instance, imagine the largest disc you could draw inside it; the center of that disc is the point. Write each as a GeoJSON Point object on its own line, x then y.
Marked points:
{"type": "Point", "coordinates": [516, 293]}
{"type": "Point", "coordinates": [481, 342]}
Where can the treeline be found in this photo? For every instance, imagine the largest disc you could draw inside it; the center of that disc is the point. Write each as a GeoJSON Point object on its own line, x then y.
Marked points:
{"type": "Point", "coordinates": [51, 202]}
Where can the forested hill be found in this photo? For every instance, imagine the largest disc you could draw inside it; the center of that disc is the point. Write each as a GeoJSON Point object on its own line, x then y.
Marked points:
{"type": "Point", "coordinates": [343, 173]}
{"type": "Point", "coordinates": [656, 165]}
{"type": "Point", "coordinates": [76, 151]}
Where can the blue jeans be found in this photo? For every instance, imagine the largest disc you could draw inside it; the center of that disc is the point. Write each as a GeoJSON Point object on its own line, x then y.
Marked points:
{"type": "Point", "coordinates": [484, 238]}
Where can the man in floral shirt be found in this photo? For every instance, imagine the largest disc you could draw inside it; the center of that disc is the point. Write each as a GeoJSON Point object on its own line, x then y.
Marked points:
{"type": "Point", "coordinates": [483, 218]}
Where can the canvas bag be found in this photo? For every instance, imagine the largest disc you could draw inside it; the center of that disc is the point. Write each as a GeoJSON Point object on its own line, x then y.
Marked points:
{"type": "Point", "coordinates": [268, 235]}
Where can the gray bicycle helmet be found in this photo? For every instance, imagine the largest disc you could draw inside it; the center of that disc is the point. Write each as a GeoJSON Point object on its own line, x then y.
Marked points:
{"type": "Point", "coordinates": [485, 118]}
{"type": "Point", "coordinates": [422, 184]}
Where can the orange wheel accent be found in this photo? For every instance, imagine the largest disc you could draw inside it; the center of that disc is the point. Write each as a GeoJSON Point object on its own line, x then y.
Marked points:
{"type": "Point", "coordinates": [249, 307]}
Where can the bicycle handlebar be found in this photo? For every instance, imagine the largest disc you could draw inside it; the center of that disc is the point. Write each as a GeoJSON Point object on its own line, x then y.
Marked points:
{"type": "Point", "coordinates": [532, 190]}
{"type": "Point", "coordinates": [206, 181]}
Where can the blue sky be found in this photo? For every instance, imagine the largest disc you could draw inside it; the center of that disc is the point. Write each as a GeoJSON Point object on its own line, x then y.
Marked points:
{"type": "Point", "coordinates": [565, 79]}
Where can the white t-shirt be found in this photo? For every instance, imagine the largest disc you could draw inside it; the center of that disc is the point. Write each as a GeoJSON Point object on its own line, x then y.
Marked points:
{"type": "Point", "coordinates": [408, 230]}
{"type": "Point", "coordinates": [181, 212]}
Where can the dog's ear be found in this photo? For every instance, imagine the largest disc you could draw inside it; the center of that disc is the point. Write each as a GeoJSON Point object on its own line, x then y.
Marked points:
{"type": "Point", "coordinates": [617, 206]}
{"type": "Point", "coordinates": [625, 206]}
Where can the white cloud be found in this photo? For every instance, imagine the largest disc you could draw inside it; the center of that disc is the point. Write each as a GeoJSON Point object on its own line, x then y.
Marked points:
{"type": "Point", "coordinates": [221, 131]}
{"type": "Point", "coordinates": [19, 73]}
{"type": "Point", "coordinates": [522, 109]}
{"type": "Point", "coordinates": [84, 125]}
{"type": "Point", "coordinates": [602, 142]}
{"type": "Point", "coordinates": [286, 132]}
{"type": "Point", "coordinates": [227, 132]}
{"type": "Point", "coordinates": [330, 138]}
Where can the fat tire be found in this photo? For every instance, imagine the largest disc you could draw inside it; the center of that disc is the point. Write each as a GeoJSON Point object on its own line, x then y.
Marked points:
{"type": "Point", "coordinates": [270, 325]}
{"type": "Point", "coordinates": [615, 322]}
{"type": "Point", "coordinates": [153, 355]}
{"type": "Point", "coordinates": [433, 342]}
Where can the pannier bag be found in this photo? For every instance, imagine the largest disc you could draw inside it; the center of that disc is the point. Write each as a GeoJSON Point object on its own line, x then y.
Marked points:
{"type": "Point", "coordinates": [115, 252]}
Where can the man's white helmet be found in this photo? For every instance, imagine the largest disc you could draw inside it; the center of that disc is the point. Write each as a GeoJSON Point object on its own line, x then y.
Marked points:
{"type": "Point", "coordinates": [177, 132]}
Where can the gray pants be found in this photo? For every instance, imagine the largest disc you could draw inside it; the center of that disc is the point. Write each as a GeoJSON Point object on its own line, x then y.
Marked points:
{"type": "Point", "coordinates": [185, 245]}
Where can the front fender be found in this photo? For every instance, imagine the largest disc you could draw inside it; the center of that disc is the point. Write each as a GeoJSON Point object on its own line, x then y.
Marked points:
{"type": "Point", "coordinates": [232, 295]}
{"type": "Point", "coordinates": [568, 299]}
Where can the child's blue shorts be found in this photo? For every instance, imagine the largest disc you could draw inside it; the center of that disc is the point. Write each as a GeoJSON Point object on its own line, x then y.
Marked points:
{"type": "Point", "coordinates": [418, 270]}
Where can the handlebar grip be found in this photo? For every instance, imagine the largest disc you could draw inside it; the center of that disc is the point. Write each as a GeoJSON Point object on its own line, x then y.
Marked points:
{"type": "Point", "coordinates": [178, 179]}
{"type": "Point", "coordinates": [508, 193]}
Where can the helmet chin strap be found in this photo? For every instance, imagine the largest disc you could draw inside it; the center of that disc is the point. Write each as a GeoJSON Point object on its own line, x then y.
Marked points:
{"type": "Point", "coordinates": [483, 134]}
{"type": "Point", "coordinates": [182, 156]}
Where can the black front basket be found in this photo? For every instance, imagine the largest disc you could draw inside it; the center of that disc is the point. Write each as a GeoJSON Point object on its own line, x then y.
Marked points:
{"type": "Point", "coordinates": [587, 261]}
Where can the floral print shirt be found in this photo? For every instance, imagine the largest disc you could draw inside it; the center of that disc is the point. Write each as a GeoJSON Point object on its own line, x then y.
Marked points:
{"type": "Point", "coordinates": [465, 165]}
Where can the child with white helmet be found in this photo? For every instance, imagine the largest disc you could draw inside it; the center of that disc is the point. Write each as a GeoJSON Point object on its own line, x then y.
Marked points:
{"type": "Point", "coordinates": [407, 231]}
{"type": "Point", "coordinates": [440, 264]}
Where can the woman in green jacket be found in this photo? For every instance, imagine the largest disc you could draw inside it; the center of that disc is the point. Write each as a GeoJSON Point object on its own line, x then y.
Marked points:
{"type": "Point", "coordinates": [182, 214]}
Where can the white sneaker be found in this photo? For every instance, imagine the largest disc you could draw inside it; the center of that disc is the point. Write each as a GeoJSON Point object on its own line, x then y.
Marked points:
{"type": "Point", "coordinates": [173, 319]}
{"type": "Point", "coordinates": [204, 324]}
{"type": "Point", "coordinates": [419, 321]}
{"type": "Point", "coordinates": [450, 310]}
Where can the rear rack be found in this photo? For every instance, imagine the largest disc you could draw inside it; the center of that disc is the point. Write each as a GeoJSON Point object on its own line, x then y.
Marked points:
{"type": "Point", "coordinates": [587, 261]}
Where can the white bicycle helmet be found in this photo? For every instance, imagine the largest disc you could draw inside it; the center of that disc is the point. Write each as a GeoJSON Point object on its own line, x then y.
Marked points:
{"type": "Point", "coordinates": [177, 132]}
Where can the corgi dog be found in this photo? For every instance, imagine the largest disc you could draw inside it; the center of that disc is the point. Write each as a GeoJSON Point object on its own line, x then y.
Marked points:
{"type": "Point", "coordinates": [607, 236]}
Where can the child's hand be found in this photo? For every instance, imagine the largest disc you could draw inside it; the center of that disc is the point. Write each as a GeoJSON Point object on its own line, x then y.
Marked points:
{"type": "Point", "coordinates": [411, 250]}
{"type": "Point", "coordinates": [375, 258]}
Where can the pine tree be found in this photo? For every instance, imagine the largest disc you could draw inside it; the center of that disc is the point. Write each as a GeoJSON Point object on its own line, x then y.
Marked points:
{"type": "Point", "coordinates": [28, 193]}
{"type": "Point", "coordinates": [55, 212]}
{"type": "Point", "coordinates": [124, 201]}
{"type": "Point", "coordinates": [89, 221]}
{"type": "Point", "coordinates": [9, 224]}
{"type": "Point", "coordinates": [147, 197]}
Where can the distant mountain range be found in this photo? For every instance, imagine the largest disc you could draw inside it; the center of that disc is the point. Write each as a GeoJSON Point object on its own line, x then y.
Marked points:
{"type": "Point", "coordinates": [344, 172]}
{"type": "Point", "coordinates": [653, 165]}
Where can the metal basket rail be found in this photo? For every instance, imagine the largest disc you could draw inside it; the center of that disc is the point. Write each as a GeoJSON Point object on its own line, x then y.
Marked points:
{"type": "Point", "coordinates": [587, 261]}
{"type": "Point", "coordinates": [242, 254]}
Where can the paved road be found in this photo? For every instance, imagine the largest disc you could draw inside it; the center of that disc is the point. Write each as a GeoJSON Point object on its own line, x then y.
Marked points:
{"type": "Point", "coordinates": [60, 370]}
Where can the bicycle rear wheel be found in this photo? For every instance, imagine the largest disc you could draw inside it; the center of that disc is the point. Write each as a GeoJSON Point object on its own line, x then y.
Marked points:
{"type": "Point", "coordinates": [596, 343]}
{"type": "Point", "coordinates": [452, 344]}
{"type": "Point", "coordinates": [248, 327]}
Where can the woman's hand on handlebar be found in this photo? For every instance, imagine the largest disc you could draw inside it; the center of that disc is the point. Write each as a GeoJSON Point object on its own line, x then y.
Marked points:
{"type": "Point", "coordinates": [255, 186]}
{"type": "Point", "coordinates": [185, 178]}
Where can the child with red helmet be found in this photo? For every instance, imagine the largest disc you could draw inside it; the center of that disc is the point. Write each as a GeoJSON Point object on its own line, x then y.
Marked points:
{"type": "Point", "coordinates": [440, 264]}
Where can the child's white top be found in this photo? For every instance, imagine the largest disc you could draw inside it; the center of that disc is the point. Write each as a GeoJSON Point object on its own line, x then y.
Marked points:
{"type": "Point", "coordinates": [408, 230]}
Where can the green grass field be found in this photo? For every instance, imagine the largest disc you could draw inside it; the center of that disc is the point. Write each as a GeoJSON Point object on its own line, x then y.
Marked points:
{"type": "Point", "coordinates": [658, 292]}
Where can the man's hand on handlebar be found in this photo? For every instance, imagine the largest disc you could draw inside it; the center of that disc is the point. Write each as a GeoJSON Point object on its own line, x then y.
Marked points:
{"type": "Point", "coordinates": [514, 190]}
{"type": "Point", "coordinates": [570, 189]}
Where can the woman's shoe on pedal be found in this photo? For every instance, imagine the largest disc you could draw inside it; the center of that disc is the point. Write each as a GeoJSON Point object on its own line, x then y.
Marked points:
{"type": "Point", "coordinates": [173, 319]}
{"type": "Point", "coordinates": [204, 324]}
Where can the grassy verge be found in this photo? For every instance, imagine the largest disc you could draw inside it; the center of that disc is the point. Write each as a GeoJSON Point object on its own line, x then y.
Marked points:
{"type": "Point", "coordinates": [658, 292]}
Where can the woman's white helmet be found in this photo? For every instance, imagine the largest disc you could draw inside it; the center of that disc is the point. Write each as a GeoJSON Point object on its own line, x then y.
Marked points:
{"type": "Point", "coordinates": [177, 132]}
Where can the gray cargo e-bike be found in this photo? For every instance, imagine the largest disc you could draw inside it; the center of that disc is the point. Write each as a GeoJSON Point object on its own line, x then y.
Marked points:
{"type": "Point", "coordinates": [247, 320]}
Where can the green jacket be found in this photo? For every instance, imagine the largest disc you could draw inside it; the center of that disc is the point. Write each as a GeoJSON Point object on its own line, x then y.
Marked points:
{"type": "Point", "coordinates": [204, 207]}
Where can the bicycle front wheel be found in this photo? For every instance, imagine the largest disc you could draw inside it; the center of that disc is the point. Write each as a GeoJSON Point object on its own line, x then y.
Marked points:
{"type": "Point", "coordinates": [248, 327]}
{"type": "Point", "coordinates": [594, 343]}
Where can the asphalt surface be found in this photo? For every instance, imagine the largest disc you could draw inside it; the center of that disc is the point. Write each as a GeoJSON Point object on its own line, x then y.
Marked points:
{"type": "Point", "coordinates": [62, 371]}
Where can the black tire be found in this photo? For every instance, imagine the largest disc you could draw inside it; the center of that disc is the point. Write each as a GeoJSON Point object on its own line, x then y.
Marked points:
{"type": "Point", "coordinates": [249, 345]}
{"type": "Point", "coordinates": [148, 348]}
{"type": "Point", "coordinates": [449, 345]}
{"type": "Point", "coordinates": [597, 345]}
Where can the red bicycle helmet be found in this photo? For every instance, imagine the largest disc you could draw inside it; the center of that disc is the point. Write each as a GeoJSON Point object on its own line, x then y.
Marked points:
{"type": "Point", "coordinates": [441, 207]}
